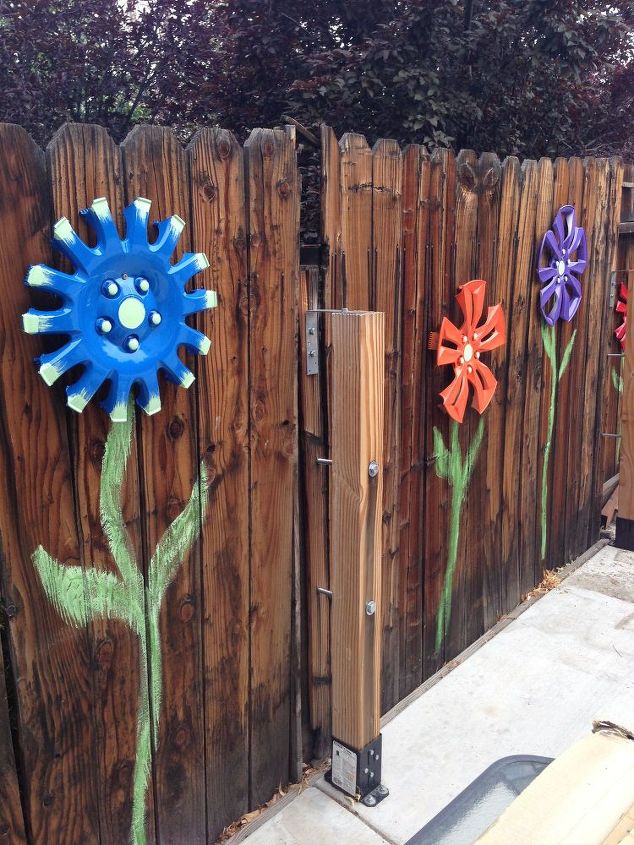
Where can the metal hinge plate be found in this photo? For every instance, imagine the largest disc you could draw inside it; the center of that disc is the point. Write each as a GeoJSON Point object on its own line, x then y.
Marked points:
{"type": "Point", "coordinates": [312, 344]}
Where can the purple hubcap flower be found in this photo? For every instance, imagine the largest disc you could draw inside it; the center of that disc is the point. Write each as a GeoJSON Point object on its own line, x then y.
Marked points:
{"type": "Point", "coordinates": [562, 259]}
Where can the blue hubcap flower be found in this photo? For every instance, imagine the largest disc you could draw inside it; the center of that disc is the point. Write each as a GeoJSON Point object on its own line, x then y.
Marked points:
{"type": "Point", "coordinates": [123, 310]}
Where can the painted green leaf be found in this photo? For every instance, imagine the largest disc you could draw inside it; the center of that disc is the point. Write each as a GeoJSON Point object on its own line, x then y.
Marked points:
{"type": "Point", "coordinates": [177, 540]}
{"type": "Point", "coordinates": [549, 337]}
{"type": "Point", "coordinates": [617, 381]}
{"type": "Point", "coordinates": [442, 455]}
{"type": "Point", "coordinates": [80, 595]}
{"type": "Point", "coordinates": [565, 359]}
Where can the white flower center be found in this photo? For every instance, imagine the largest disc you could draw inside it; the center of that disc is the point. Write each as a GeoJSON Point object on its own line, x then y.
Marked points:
{"type": "Point", "coordinates": [468, 352]}
{"type": "Point", "coordinates": [131, 312]}
{"type": "Point", "coordinates": [561, 268]}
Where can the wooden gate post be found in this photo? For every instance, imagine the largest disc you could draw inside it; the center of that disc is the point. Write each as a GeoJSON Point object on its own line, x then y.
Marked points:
{"type": "Point", "coordinates": [356, 438]}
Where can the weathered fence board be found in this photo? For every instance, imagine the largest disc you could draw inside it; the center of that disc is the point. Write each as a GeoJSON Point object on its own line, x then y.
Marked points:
{"type": "Point", "coordinates": [51, 661]}
{"type": "Point", "coordinates": [219, 230]}
{"type": "Point", "coordinates": [273, 265]}
{"type": "Point", "coordinates": [416, 174]}
{"type": "Point", "coordinates": [441, 221]}
{"type": "Point", "coordinates": [156, 168]}
{"type": "Point", "coordinates": [315, 486]}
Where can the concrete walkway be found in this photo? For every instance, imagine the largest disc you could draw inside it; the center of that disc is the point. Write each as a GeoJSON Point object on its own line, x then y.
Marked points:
{"type": "Point", "coordinates": [534, 688]}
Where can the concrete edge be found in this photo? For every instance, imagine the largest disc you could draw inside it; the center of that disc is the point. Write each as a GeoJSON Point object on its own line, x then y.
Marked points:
{"type": "Point", "coordinates": [317, 778]}
{"type": "Point", "coordinates": [294, 791]}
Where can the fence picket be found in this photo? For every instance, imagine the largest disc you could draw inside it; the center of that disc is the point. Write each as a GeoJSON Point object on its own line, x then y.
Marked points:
{"type": "Point", "coordinates": [156, 168]}
{"type": "Point", "coordinates": [273, 269]}
{"type": "Point", "coordinates": [219, 230]}
{"type": "Point", "coordinates": [51, 660]}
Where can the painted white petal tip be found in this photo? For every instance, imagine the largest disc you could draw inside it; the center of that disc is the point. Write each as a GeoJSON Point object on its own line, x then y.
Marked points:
{"type": "Point", "coordinates": [187, 380]}
{"type": "Point", "coordinates": [38, 276]}
{"type": "Point", "coordinates": [120, 412]}
{"type": "Point", "coordinates": [30, 323]}
{"type": "Point", "coordinates": [142, 205]}
{"type": "Point", "coordinates": [49, 373]}
{"type": "Point", "coordinates": [63, 231]}
{"type": "Point", "coordinates": [211, 299]}
{"type": "Point", "coordinates": [204, 346]}
{"type": "Point", "coordinates": [177, 223]}
{"type": "Point", "coordinates": [202, 261]}
{"type": "Point", "coordinates": [153, 406]}
{"type": "Point", "coordinates": [101, 208]}
{"type": "Point", "coordinates": [77, 402]}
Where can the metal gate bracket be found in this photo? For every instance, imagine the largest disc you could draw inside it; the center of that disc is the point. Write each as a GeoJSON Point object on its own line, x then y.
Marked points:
{"type": "Point", "coordinates": [312, 344]}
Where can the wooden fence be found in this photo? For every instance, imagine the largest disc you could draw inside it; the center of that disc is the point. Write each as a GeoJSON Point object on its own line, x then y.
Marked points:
{"type": "Point", "coordinates": [403, 231]}
{"type": "Point", "coordinates": [244, 634]}
{"type": "Point", "coordinates": [225, 626]}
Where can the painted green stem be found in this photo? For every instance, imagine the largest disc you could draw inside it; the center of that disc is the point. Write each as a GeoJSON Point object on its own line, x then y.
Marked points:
{"type": "Point", "coordinates": [450, 465]}
{"type": "Point", "coordinates": [617, 381]}
{"type": "Point", "coordinates": [82, 594]}
{"type": "Point", "coordinates": [549, 337]}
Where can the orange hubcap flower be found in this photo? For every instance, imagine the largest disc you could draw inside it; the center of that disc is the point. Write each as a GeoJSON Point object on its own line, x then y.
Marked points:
{"type": "Point", "coordinates": [462, 347]}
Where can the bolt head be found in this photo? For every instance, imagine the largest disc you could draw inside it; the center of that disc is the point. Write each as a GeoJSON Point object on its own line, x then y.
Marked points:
{"type": "Point", "coordinates": [110, 288]}
{"type": "Point", "coordinates": [373, 469]}
{"type": "Point", "coordinates": [104, 326]}
{"type": "Point", "coordinates": [132, 343]}
{"type": "Point", "coordinates": [369, 800]}
{"type": "Point", "coordinates": [370, 607]}
{"type": "Point", "coordinates": [155, 318]}
{"type": "Point", "coordinates": [365, 771]}
{"type": "Point", "coordinates": [142, 285]}
{"type": "Point", "coordinates": [311, 331]}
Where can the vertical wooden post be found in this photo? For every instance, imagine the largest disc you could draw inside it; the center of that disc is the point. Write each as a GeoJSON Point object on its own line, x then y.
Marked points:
{"type": "Point", "coordinates": [356, 402]}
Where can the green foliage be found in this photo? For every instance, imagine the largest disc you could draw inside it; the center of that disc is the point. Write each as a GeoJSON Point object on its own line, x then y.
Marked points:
{"type": "Point", "coordinates": [524, 77]}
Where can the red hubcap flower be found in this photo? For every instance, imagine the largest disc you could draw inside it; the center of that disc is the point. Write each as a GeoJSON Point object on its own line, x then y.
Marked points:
{"type": "Point", "coordinates": [621, 308]}
{"type": "Point", "coordinates": [462, 347]}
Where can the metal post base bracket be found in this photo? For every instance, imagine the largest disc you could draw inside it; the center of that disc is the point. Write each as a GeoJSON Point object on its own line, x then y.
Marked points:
{"type": "Point", "coordinates": [358, 773]}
